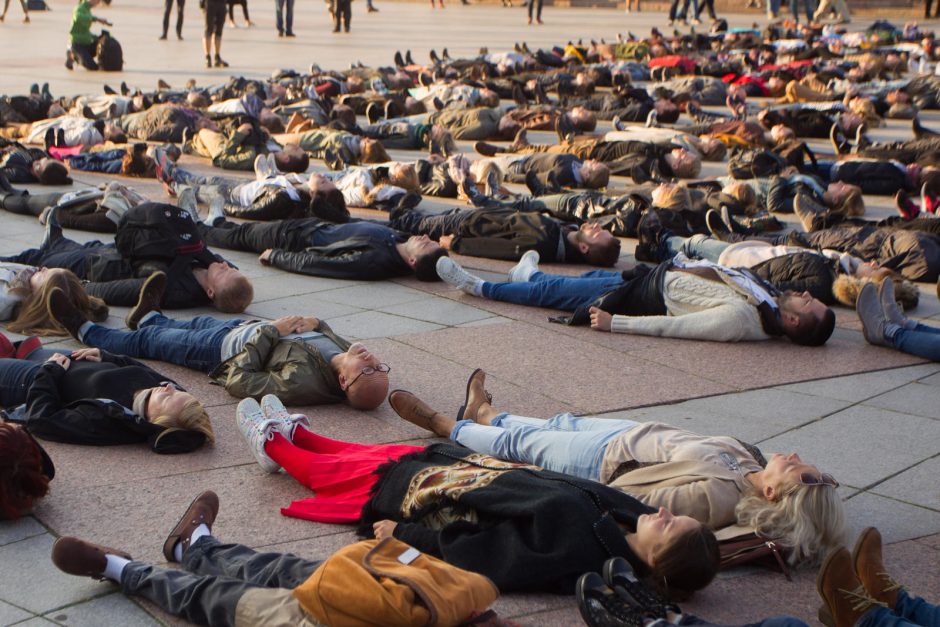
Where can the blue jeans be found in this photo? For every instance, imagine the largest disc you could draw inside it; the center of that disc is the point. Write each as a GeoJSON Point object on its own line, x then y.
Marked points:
{"type": "Point", "coordinates": [195, 343]}
{"type": "Point", "coordinates": [16, 375]}
{"type": "Point", "coordinates": [773, 6]}
{"type": "Point", "coordinates": [922, 340]}
{"type": "Point", "coordinates": [566, 443]}
{"type": "Point", "coordinates": [553, 291]}
{"type": "Point", "coordinates": [284, 14]}
{"type": "Point", "coordinates": [697, 246]}
{"type": "Point", "coordinates": [808, 5]}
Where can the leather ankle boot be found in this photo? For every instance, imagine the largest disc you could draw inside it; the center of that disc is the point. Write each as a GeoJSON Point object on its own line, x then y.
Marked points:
{"type": "Point", "coordinates": [844, 598]}
{"type": "Point", "coordinates": [870, 568]}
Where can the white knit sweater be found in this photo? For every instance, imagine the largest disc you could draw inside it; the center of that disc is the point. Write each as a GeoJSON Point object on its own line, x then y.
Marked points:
{"type": "Point", "coordinates": [698, 309]}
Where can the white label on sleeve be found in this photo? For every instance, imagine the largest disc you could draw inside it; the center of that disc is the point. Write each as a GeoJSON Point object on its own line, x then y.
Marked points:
{"type": "Point", "coordinates": [409, 556]}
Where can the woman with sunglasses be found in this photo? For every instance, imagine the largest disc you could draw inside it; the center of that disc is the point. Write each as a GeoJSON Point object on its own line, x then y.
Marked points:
{"type": "Point", "coordinates": [719, 481]}
{"type": "Point", "coordinates": [298, 358]}
{"type": "Point", "coordinates": [92, 397]}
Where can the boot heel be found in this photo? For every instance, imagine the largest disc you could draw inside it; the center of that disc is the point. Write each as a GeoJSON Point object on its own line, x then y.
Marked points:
{"type": "Point", "coordinates": [825, 616]}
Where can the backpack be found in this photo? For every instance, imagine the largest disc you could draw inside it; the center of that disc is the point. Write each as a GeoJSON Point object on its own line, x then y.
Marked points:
{"type": "Point", "coordinates": [158, 231]}
{"type": "Point", "coordinates": [749, 163]}
{"type": "Point", "coordinates": [793, 153]}
{"type": "Point", "coordinates": [109, 54]}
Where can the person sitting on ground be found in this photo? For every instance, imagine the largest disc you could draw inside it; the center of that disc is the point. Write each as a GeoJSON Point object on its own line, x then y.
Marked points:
{"type": "Point", "coordinates": [549, 527]}
{"type": "Point", "coordinates": [25, 471]}
{"type": "Point", "coordinates": [232, 584]}
{"type": "Point", "coordinates": [719, 481]}
{"type": "Point", "coordinates": [855, 588]}
{"type": "Point", "coordinates": [97, 398]}
{"type": "Point", "coordinates": [296, 356]}
{"type": "Point", "coordinates": [358, 250]}
{"type": "Point", "coordinates": [884, 323]}
{"type": "Point", "coordinates": [681, 298]}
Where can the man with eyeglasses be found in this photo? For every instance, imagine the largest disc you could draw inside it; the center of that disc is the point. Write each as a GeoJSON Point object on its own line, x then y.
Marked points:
{"type": "Point", "coordinates": [298, 358]}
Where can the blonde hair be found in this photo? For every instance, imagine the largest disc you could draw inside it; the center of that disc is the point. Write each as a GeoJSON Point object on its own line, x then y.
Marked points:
{"type": "Point", "coordinates": [405, 177]}
{"type": "Point", "coordinates": [808, 520]}
{"type": "Point", "coordinates": [742, 192]}
{"type": "Point", "coordinates": [673, 196]}
{"type": "Point", "coordinates": [689, 169]}
{"type": "Point", "coordinates": [192, 417]}
{"type": "Point", "coordinates": [33, 316]}
{"type": "Point", "coordinates": [866, 109]}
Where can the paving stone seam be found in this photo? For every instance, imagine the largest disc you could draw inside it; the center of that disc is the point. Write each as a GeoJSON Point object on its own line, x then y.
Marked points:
{"type": "Point", "coordinates": [869, 487]}
{"type": "Point", "coordinates": [897, 500]}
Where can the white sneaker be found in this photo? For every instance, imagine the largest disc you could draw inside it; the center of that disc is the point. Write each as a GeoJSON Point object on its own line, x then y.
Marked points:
{"type": "Point", "coordinates": [273, 409]}
{"type": "Point", "coordinates": [216, 210]}
{"type": "Point", "coordinates": [262, 168]}
{"type": "Point", "coordinates": [257, 432]}
{"type": "Point", "coordinates": [186, 199]}
{"type": "Point", "coordinates": [527, 266]}
{"type": "Point", "coordinates": [452, 274]}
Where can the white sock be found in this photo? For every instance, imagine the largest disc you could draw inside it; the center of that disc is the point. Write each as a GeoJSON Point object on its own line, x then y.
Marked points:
{"type": "Point", "coordinates": [115, 567]}
{"type": "Point", "coordinates": [198, 532]}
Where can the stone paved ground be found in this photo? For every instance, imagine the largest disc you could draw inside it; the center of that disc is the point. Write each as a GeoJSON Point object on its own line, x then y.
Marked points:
{"type": "Point", "coordinates": [868, 415]}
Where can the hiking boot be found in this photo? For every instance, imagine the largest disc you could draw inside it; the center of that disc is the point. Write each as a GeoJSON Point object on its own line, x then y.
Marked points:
{"type": "Point", "coordinates": [870, 569]}
{"type": "Point", "coordinates": [411, 408]}
{"type": "Point", "coordinates": [871, 314]}
{"type": "Point", "coordinates": [151, 295]}
{"type": "Point", "coordinates": [845, 599]}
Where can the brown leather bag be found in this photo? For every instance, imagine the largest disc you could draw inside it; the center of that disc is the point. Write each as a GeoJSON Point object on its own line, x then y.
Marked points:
{"type": "Point", "coordinates": [388, 584]}
{"type": "Point", "coordinates": [739, 546]}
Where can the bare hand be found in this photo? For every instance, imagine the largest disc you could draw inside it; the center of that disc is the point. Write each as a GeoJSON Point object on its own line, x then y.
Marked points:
{"type": "Point", "coordinates": [384, 529]}
{"type": "Point", "coordinates": [87, 354]}
{"type": "Point", "coordinates": [265, 257]}
{"type": "Point", "coordinates": [446, 241]}
{"type": "Point", "coordinates": [310, 324]}
{"type": "Point", "coordinates": [600, 319]}
{"type": "Point", "coordinates": [60, 359]}
{"type": "Point", "coordinates": [288, 325]}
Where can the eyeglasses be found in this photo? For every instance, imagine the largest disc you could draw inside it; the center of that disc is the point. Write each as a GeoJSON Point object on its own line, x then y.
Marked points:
{"type": "Point", "coordinates": [808, 478]}
{"type": "Point", "coordinates": [370, 370]}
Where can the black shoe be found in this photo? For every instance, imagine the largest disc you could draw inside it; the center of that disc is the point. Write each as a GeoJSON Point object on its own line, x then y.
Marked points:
{"type": "Point", "coordinates": [434, 58]}
{"type": "Point", "coordinates": [124, 88]}
{"type": "Point", "coordinates": [491, 178]}
{"type": "Point", "coordinates": [48, 138]}
{"type": "Point", "coordinates": [444, 54]}
{"type": "Point", "coordinates": [289, 34]}
{"type": "Point", "coordinates": [219, 62]}
{"type": "Point", "coordinates": [162, 37]}
{"type": "Point", "coordinates": [920, 131]}
{"type": "Point", "coordinates": [399, 60]}
{"type": "Point", "coordinates": [437, 103]}
{"type": "Point", "coordinates": [408, 202]}
{"type": "Point", "coordinates": [373, 112]}
{"type": "Point", "coordinates": [540, 96]}
{"type": "Point", "coordinates": [619, 575]}
{"type": "Point", "coordinates": [108, 90]}
{"type": "Point", "coordinates": [518, 95]}
{"type": "Point", "coordinates": [602, 607]}
{"type": "Point", "coordinates": [408, 58]}
{"type": "Point", "coordinates": [208, 61]}
{"type": "Point", "coordinates": [564, 127]}
{"type": "Point", "coordinates": [151, 295]}
{"type": "Point", "coordinates": [652, 236]}
{"type": "Point", "coordinates": [52, 232]}
{"type": "Point", "coordinates": [485, 149]}
{"type": "Point", "coordinates": [617, 123]}
{"type": "Point", "coordinates": [60, 137]}
{"type": "Point", "coordinates": [62, 310]}
{"type": "Point", "coordinates": [536, 188]}
{"type": "Point", "coordinates": [469, 188]}
{"type": "Point", "coordinates": [69, 62]}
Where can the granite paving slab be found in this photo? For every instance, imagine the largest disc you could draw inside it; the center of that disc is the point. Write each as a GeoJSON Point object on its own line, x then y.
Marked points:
{"type": "Point", "coordinates": [16, 530]}
{"type": "Point", "coordinates": [917, 485]}
{"type": "Point", "coordinates": [118, 609]}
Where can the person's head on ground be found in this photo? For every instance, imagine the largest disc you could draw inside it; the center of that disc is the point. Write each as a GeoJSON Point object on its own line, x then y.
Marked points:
{"type": "Point", "coordinates": [326, 200]}
{"type": "Point", "coordinates": [488, 98]}
{"type": "Point", "coordinates": [229, 290]}
{"type": "Point", "coordinates": [404, 175]}
{"type": "Point", "coordinates": [681, 553]}
{"type": "Point", "coordinates": [372, 151]}
{"type": "Point", "coordinates": [48, 171]}
{"type": "Point", "coordinates": [114, 133]}
{"type": "Point", "coordinates": [594, 174]}
{"type": "Point", "coordinates": [362, 376]}
{"type": "Point", "coordinates": [674, 196]}
{"type": "Point", "coordinates": [508, 127]}
{"type": "Point", "coordinates": [780, 134]}
{"type": "Point", "coordinates": [845, 198]}
{"type": "Point", "coordinates": [292, 158]}
{"type": "Point", "coordinates": [169, 407]}
{"type": "Point", "coordinates": [805, 320]}
{"type": "Point", "coordinates": [667, 111]}
{"type": "Point", "coordinates": [598, 246]}
{"type": "Point", "coordinates": [583, 119]}
{"type": "Point", "coordinates": [33, 316]}
{"type": "Point", "coordinates": [684, 163]}
{"type": "Point", "coordinates": [712, 148]}
{"type": "Point", "coordinates": [421, 253]}
{"type": "Point", "coordinates": [796, 505]}
{"type": "Point", "coordinates": [136, 162]}
{"type": "Point", "coordinates": [741, 192]}
{"type": "Point", "coordinates": [23, 478]}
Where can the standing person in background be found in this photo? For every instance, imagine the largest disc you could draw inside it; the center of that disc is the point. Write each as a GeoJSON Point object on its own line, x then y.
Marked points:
{"type": "Point", "coordinates": [773, 9]}
{"type": "Point", "coordinates": [342, 13]}
{"type": "Point", "coordinates": [81, 39]}
{"type": "Point", "coordinates": [538, 11]}
{"type": "Point", "coordinates": [808, 6]}
{"type": "Point", "coordinates": [167, 9]}
{"type": "Point", "coordinates": [839, 6]}
{"type": "Point", "coordinates": [629, 5]}
{"type": "Point", "coordinates": [927, 4]}
{"type": "Point", "coordinates": [370, 8]}
{"type": "Point", "coordinates": [284, 13]}
{"type": "Point", "coordinates": [215, 22]}
{"type": "Point", "coordinates": [6, 5]}
{"type": "Point", "coordinates": [231, 12]}
{"type": "Point", "coordinates": [710, 6]}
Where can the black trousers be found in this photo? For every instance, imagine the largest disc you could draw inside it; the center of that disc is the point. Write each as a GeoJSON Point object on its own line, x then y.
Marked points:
{"type": "Point", "coordinates": [85, 55]}
{"type": "Point", "coordinates": [219, 574]}
{"type": "Point", "coordinates": [167, 9]}
{"type": "Point", "coordinates": [537, 4]}
{"type": "Point", "coordinates": [342, 13]}
{"type": "Point", "coordinates": [434, 226]}
{"type": "Point", "coordinates": [257, 237]}
{"type": "Point", "coordinates": [231, 9]}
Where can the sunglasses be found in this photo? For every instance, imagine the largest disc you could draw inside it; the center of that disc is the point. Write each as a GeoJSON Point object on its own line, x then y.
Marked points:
{"type": "Point", "coordinates": [808, 478]}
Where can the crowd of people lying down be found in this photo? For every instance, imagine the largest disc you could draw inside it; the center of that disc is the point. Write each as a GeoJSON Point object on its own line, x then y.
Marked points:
{"type": "Point", "coordinates": [631, 517]}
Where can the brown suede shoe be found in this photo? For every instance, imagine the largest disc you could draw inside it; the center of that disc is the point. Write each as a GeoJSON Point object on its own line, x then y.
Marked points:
{"type": "Point", "coordinates": [64, 312]}
{"type": "Point", "coordinates": [417, 412]}
{"type": "Point", "coordinates": [844, 598]}
{"type": "Point", "coordinates": [78, 557]}
{"type": "Point", "coordinates": [202, 511]}
{"type": "Point", "coordinates": [151, 294]}
{"type": "Point", "coordinates": [868, 564]}
{"type": "Point", "coordinates": [476, 396]}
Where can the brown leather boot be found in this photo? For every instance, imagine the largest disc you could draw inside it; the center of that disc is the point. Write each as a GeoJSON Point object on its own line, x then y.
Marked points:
{"type": "Point", "coordinates": [866, 559]}
{"type": "Point", "coordinates": [62, 310]}
{"type": "Point", "coordinates": [844, 598]}
{"type": "Point", "coordinates": [476, 396]}
{"type": "Point", "coordinates": [419, 413]}
{"type": "Point", "coordinates": [78, 557]}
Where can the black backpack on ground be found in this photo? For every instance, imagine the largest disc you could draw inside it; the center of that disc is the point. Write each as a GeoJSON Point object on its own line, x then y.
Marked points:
{"type": "Point", "coordinates": [158, 231]}
{"type": "Point", "coordinates": [109, 54]}
{"type": "Point", "coordinates": [749, 163]}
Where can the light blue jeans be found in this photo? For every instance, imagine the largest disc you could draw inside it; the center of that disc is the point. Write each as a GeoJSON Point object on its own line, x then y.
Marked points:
{"type": "Point", "coordinates": [567, 444]}
{"type": "Point", "coordinates": [696, 247]}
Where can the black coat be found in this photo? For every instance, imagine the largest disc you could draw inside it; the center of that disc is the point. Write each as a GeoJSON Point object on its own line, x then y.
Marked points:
{"type": "Point", "coordinates": [810, 272]}
{"type": "Point", "coordinates": [915, 254]}
{"type": "Point", "coordinates": [783, 191]}
{"type": "Point", "coordinates": [533, 529]}
{"type": "Point", "coordinates": [67, 406]}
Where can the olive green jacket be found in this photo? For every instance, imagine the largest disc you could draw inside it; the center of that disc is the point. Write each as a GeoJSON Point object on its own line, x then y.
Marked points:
{"type": "Point", "coordinates": [290, 368]}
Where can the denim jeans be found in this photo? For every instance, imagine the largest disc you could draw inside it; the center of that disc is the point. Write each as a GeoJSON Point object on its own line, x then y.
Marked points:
{"type": "Point", "coordinates": [195, 343]}
{"type": "Point", "coordinates": [698, 247]}
{"type": "Point", "coordinates": [773, 7]}
{"type": "Point", "coordinates": [808, 5]}
{"type": "Point", "coordinates": [922, 340]}
{"type": "Point", "coordinates": [284, 15]}
{"type": "Point", "coordinates": [61, 253]}
{"type": "Point", "coordinates": [566, 443]}
{"type": "Point", "coordinates": [219, 575]}
{"type": "Point", "coordinates": [553, 291]}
